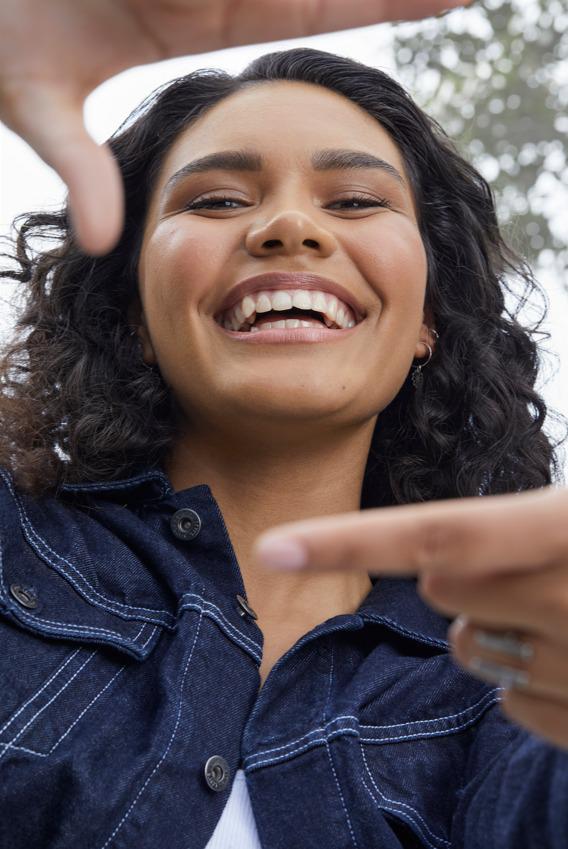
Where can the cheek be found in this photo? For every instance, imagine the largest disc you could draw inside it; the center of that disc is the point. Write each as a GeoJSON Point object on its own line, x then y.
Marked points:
{"type": "Point", "coordinates": [179, 268]}
{"type": "Point", "coordinates": [393, 260]}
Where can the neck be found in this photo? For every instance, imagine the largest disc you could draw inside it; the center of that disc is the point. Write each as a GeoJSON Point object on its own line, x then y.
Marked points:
{"type": "Point", "coordinates": [261, 482]}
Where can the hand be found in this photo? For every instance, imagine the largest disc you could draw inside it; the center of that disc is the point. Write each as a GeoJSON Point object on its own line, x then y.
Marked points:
{"type": "Point", "coordinates": [52, 55]}
{"type": "Point", "coordinates": [500, 561]}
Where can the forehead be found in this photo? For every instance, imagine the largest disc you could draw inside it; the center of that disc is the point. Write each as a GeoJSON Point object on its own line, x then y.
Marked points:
{"type": "Point", "coordinates": [285, 121]}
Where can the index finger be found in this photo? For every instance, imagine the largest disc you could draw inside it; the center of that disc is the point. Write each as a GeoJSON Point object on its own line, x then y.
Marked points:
{"type": "Point", "coordinates": [472, 537]}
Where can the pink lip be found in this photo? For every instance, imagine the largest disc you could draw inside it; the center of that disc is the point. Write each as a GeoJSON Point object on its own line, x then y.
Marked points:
{"type": "Point", "coordinates": [290, 280]}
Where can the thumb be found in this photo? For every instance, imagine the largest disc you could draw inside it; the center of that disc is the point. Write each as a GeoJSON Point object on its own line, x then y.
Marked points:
{"type": "Point", "coordinates": [53, 125]}
{"type": "Point", "coordinates": [96, 196]}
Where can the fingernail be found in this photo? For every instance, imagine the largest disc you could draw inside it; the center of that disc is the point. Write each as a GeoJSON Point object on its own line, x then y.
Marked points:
{"type": "Point", "coordinates": [282, 554]}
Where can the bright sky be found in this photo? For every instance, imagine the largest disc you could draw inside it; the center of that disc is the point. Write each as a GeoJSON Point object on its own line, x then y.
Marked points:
{"type": "Point", "coordinates": [27, 184]}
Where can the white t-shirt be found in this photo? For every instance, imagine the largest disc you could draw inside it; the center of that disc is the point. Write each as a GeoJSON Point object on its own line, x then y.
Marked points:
{"type": "Point", "coordinates": [236, 829]}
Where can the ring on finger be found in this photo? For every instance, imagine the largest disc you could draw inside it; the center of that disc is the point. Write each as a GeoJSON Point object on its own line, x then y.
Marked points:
{"type": "Point", "coordinates": [508, 643]}
{"type": "Point", "coordinates": [504, 676]}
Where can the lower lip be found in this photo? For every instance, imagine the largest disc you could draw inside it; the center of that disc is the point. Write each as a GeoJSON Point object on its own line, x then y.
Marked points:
{"type": "Point", "coordinates": [297, 335]}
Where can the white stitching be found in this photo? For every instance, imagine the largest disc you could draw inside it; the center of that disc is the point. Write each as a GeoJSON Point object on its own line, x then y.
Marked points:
{"type": "Point", "coordinates": [27, 523]}
{"type": "Point", "coordinates": [252, 761]}
{"type": "Point", "coordinates": [400, 804]}
{"type": "Point", "coordinates": [393, 811]}
{"type": "Point", "coordinates": [46, 705]}
{"type": "Point", "coordinates": [330, 682]}
{"type": "Point", "coordinates": [376, 617]}
{"type": "Point", "coordinates": [318, 730]}
{"type": "Point", "coordinates": [46, 754]}
{"type": "Point", "coordinates": [85, 709]}
{"type": "Point", "coordinates": [363, 727]}
{"type": "Point", "coordinates": [68, 627]}
{"type": "Point", "coordinates": [108, 603]}
{"type": "Point", "coordinates": [228, 621]}
{"type": "Point", "coordinates": [211, 615]}
{"type": "Point", "coordinates": [310, 745]}
{"type": "Point", "coordinates": [328, 750]}
{"type": "Point", "coordinates": [23, 749]}
{"type": "Point", "coordinates": [443, 732]}
{"type": "Point", "coordinates": [72, 628]}
{"type": "Point", "coordinates": [341, 796]}
{"type": "Point", "coordinates": [38, 692]}
{"type": "Point", "coordinates": [122, 484]}
{"type": "Point", "coordinates": [431, 721]}
{"type": "Point", "coordinates": [127, 814]}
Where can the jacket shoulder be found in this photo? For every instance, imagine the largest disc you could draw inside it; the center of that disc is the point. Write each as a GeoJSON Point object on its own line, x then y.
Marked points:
{"type": "Point", "coordinates": [49, 584]}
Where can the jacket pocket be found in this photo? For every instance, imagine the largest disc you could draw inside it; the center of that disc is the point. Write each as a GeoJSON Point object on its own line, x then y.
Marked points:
{"type": "Point", "coordinates": [50, 692]}
{"type": "Point", "coordinates": [414, 771]}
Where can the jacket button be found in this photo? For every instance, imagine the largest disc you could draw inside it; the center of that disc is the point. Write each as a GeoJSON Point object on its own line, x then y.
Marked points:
{"type": "Point", "coordinates": [25, 597]}
{"type": "Point", "coordinates": [245, 607]}
{"type": "Point", "coordinates": [217, 772]}
{"type": "Point", "coordinates": [185, 524]}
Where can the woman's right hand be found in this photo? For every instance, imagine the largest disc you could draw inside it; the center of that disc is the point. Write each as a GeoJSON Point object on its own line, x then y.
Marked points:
{"type": "Point", "coordinates": [52, 55]}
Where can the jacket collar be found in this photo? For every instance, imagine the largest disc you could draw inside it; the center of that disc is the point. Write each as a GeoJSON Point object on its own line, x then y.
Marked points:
{"type": "Point", "coordinates": [147, 484]}
{"type": "Point", "coordinates": [392, 602]}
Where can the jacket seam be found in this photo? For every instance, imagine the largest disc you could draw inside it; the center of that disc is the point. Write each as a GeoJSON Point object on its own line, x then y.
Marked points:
{"type": "Point", "coordinates": [224, 628]}
{"type": "Point", "coordinates": [31, 533]}
{"type": "Point", "coordinates": [39, 691]}
{"type": "Point", "coordinates": [434, 720]}
{"type": "Point", "coordinates": [417, 635]}
{"type": "Point", "coordinates": [400, 804]}
{"type": "Point", "coordinates": [6, 746]}
{"type": "Point", "coordinates": [122, 484]}
{"type": "Point", "coordinates": [87, 629]}
{"type": "Point", "coordinates": [341, 796]}
{"type": "Point", "coordinates": [165, 752]}
{"type": "Point", "coordinates": [479, 705]}
{"type": "Point", "coordinates": [67, 627]}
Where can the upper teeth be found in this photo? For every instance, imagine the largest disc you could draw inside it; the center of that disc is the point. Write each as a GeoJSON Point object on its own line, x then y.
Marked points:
{"type": "Point", "coordinates": [243, 315]}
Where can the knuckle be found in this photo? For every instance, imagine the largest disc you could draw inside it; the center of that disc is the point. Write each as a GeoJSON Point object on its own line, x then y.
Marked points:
{"type": "Point", "coordinates": [433, 544]}
{"type": "Point", "coordinates": [312, 16]}
{"type": "Point", "coordinates": [554, 518]}
{"type": "Point", "coordinates": [553, 608]}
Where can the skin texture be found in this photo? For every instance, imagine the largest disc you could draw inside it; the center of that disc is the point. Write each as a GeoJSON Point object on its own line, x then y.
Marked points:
{"type": "Point", "coordinates": [264, 421]}
{"type": "Point", "coordinates": [52, 56]}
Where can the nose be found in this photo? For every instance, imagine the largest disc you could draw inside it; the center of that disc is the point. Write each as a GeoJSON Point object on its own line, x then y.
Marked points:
{"type": "Point", "coordinates": [288, 233]}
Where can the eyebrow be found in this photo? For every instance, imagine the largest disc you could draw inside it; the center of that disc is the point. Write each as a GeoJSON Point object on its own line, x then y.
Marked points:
{"type": "Point", "coordinates": [331, 159]}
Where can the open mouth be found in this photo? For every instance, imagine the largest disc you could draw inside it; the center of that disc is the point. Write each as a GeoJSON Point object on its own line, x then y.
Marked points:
{"type": "Point", "coordinates": [280, 329]}
{"type": "Point", "coordinates": [290, 319]}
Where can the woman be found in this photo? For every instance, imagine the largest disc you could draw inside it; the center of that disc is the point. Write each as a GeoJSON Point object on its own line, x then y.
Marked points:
{"type": "Point", "coordinates": [153, 426]}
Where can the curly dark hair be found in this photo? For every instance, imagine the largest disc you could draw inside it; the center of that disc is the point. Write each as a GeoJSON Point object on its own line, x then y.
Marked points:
{"type": "Point", "coordinates": [79, 404]}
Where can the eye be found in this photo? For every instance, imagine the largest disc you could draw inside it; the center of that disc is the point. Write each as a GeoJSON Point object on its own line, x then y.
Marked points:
{"type": "Point", "coordinates": [210, 202]}
{"type": "Point", "coordinates": [222, 201]}
{"type": "Point", "coordinates": [365, 201]}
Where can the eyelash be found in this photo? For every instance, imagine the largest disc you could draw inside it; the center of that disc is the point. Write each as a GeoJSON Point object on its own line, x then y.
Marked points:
{"type": "Point", "coordinates": [368, 201]}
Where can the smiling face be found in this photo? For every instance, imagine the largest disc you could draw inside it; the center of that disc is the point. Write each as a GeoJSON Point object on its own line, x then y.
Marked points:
{"type": "Point", "coordinates": [287, 211]}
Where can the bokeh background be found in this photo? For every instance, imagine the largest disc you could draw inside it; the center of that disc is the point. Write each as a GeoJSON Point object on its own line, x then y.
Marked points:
{"type": "Point", "coordinates": [494, 75]}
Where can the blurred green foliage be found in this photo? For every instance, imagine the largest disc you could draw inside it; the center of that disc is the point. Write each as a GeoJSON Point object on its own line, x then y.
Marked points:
{"type": "Point", "coordinates": [496, 77]}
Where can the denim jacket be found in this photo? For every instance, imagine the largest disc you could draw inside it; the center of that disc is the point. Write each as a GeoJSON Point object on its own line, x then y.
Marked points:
{"type": "Point", "coordinates": [130, 696]}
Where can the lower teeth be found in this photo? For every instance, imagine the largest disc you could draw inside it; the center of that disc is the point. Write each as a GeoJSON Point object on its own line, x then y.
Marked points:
{"type": "Point", "coordinates": [288, 324]}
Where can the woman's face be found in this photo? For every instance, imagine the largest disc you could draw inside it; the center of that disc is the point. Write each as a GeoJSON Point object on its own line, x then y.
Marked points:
{"type": "Point", "coordinates": [285, 216]}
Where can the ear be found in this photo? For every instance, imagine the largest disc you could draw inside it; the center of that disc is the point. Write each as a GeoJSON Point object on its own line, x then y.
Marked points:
{"type": "Point", "coordinates": [426, 337]}
{"type": "Point", "coordinates": [137, 321]}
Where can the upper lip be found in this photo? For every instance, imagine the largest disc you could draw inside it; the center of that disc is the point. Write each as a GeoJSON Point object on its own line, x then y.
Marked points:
{"type": "Point", "coordinates": [275, 280]}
